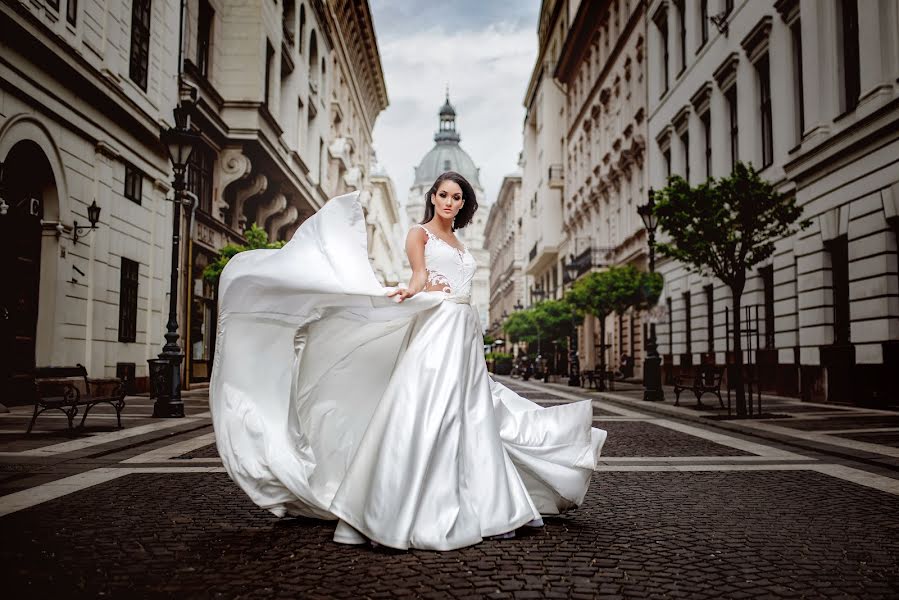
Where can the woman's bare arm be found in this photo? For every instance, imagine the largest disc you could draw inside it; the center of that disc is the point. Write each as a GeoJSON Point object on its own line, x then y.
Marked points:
{"type": "Point", "coordinates": [415, 250]}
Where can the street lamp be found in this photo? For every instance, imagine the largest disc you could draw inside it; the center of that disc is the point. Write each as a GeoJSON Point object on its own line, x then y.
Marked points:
{"type": "Point", "coordinates": [652, 373]}
{"type": "Point", "coordinates": [574, 367]}
{"type": "Point", "coordinates": [165, 372]}
{"type": "Point", "coordinates": [518, 305]}
{"type": "Point", "coordinates": [93, 217]}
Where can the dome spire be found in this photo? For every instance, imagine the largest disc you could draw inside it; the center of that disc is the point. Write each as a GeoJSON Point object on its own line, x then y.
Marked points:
{"type": "Point", "coordinates": [446, 130]}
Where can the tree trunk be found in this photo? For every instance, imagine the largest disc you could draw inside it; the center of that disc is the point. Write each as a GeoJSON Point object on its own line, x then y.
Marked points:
{"type": "Point", "coordinates": [737, 369]}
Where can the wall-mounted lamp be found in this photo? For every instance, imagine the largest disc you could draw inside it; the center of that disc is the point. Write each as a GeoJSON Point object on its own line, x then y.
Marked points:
{"type": "Point", "coordinates": [93, 215]}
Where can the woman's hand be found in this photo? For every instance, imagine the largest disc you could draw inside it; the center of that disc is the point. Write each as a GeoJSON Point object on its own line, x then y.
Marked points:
{"type": "Point", "coordinates": [402, 293]}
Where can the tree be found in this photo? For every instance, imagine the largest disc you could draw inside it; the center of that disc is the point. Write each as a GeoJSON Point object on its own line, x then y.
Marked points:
{"type": "Point", "coordinates": [257, 238]}
{"type": "Point", "coordinates": [725, 227]}
{"type": "Point", "coordinates": [602, 293]}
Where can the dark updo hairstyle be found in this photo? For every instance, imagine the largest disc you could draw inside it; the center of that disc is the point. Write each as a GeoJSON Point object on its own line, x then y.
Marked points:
{"type": "Point", "coordinates": [470, 202]}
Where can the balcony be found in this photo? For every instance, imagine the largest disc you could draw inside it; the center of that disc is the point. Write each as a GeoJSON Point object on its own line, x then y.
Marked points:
{"type": "Point", "coordinates": [591, 257]}
{"type": "Point", "coordinates": [556, 176]}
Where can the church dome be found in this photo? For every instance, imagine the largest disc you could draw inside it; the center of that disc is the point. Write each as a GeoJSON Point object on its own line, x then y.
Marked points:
{"type": "Point", "coordinates": [446, 155]}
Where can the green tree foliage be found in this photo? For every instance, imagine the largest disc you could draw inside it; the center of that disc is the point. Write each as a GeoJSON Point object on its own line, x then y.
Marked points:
{"type": "Point", "coordinates": [725, 227]}
{"type": "Point", "coordinates": [614, 290]}
{"type": "Point", "coordinates": [257, 238]}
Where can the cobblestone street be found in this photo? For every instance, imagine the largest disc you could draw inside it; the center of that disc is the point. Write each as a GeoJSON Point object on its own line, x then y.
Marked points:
{"type": "Point", "coordinates": [677, 510]}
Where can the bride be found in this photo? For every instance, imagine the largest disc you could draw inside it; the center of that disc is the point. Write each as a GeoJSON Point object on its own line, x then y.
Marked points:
{"type": "Point", "coordinates": [333, 397]}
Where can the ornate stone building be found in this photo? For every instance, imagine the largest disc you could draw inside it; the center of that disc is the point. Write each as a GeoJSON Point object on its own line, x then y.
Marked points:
{"type": "Point", "coordinates": [542, 179]}
{"type": "Point", "coordinates": [287, 96]}
{"type": "Point", "coordinates": [809, 93]}
{"type": "Point", "coordinates": [503, 243]}
{"type": "Point", "coordinates": [448, 155]}
{"type": "Point", "coordinates": [602, 64]}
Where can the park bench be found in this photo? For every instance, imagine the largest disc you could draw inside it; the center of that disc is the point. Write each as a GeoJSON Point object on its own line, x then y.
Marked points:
{"type": "Point", "coordinates": [67, 388]}
{"type": "Point", "coordinates": [706, 380]}
{"type": "Point", "coordinates": [592, 378]}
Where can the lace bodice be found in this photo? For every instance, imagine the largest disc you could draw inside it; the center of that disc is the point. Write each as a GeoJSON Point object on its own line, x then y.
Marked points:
{"type": "Point", "coordinates": [449, 269]}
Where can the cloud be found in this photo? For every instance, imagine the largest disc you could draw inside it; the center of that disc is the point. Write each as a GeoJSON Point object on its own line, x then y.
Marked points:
{"type": "Point", "coordinates": [484, 51]}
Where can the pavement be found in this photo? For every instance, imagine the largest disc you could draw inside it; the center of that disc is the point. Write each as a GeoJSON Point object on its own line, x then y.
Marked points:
{"type": "Point", "coordinates": [683, 505]}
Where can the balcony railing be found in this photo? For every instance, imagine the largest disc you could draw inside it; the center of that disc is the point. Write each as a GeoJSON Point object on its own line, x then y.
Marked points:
{"type": "Point", "coordinates": [592, 256]}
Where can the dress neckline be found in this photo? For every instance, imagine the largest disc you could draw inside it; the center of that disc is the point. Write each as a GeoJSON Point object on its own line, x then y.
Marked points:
{"type": "Point", "coordinates": [432, 235]}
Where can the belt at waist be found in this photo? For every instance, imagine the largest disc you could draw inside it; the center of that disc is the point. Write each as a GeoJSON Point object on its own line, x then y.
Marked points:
{"type": "Point", "coordinates": [459, 299]}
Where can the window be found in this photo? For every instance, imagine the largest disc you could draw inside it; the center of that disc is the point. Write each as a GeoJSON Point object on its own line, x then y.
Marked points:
{"type": "Point", "coordinates": [767, 275]}
{"type": "Point", "coordinates": [731, 98]}
{"type": "Point", "coordinates": [302, 28]}
{"type": "Point", "coordinates": [706, 119]}
{"type": "Point", "coordinates": [140, 42]}
{"type": "Point", "coordinates": [199, 176]}
{"type": "Point", "coordinates": [667, 155]}
{"type": "Point", "coordinates": [72, 11]}
{"type": "Point", "coordinates": [710, 316]}
{"type": "Point", "coordinates": [799, 97]}
{"type": "Point", "coordinates": [703, 22]}
{"type": "Point", "coordinates": [204, 36]}
{"type": "Point", "coordinates": [128, 301]}
{"type": "Point", "coordinates": [269, 63]}
{"type": "Point", "coordinates": [133, 184]}
{"type": "Point", "coordinates": [685, 144]}
{"type": "Point", "coordinates": [688, 324]}
{"type": "Point", "coordinates": [728, 6]}
{"type": "Point", "coordinates": [850, 57]}
{"type": "Point", "coordinates": [662, 24]}
{"type": "Point", "coordinates": [682, 23]}
{"type": "Point", "coordinates": [839, 261]}
{"type": "Point", "coordinates": [763, 69]}
{"type": "Point", "coordinates": [54, 4]}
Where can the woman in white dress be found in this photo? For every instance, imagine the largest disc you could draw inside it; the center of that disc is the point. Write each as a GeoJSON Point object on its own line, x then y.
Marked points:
{"type": "Point", "coordinates": [333, 397]}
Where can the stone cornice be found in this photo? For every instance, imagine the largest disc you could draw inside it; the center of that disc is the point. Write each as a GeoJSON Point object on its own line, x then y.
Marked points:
{"type": "Point", "coordinates": [756, 41]}
{"type": "Point", "coordinates": [726, 73]}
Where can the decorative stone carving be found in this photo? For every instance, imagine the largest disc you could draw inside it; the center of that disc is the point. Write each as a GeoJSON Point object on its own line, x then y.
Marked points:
{"type": "Point", "coordinates": [257, 185]}
{"type": "Point", "coordinates": [234, 165]}
{"type": "Point", "coordinates": [270, 207]}
{"type": "Point", "coordinates": [287, 217]}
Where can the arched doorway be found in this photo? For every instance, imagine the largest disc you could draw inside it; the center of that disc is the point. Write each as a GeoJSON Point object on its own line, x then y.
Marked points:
{"type": "Point", "coordinates": [27, 181]}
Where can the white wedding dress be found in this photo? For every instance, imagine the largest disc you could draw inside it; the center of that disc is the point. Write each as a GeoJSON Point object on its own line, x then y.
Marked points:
{"type": "Point", "coordinates": [331, 400]}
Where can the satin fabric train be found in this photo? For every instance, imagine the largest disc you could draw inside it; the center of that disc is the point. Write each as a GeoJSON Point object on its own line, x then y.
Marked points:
{"type": "Point", "coordinates": [331, 400]}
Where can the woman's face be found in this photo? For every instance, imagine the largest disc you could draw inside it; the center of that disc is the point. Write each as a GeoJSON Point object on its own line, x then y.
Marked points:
{"type": "Point", "coordinates": [448, 199]}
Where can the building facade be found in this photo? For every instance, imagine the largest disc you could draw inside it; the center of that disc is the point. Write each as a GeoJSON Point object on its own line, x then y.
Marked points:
{"type": "Point", "coordinates": [807, 93]}
{"type": "Point", "coordinates": [602, 65]}
{"type": "Point", "coordinates": [287, 95]}
{"type": "Point", "coordinates": [503, 244]}
{"type": "Point", "coordinates": [543, 143]}
{"type": "Point", "coordinates": [84, 89]}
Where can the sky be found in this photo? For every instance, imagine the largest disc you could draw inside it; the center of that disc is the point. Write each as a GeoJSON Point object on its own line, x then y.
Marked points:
{"type": "Point", "coordinates": [484, 50]}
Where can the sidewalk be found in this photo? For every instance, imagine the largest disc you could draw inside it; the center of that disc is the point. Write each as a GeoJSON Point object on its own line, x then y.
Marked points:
{"type": "Point", "coordinates": [864, 434]}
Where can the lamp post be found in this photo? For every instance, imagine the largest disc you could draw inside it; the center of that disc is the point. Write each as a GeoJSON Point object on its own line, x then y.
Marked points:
{"type": "Point", "coordinates": [165, 372]}
{"type": "Point", "coordinates": [574, 367]}
{"type": "Point", "coordinates": [652, 372]}
{"type": "Point", "coordinates": [538, 293]}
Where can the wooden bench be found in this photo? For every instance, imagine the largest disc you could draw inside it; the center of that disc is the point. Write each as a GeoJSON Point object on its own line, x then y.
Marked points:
{"type": "Point", "coordinates": [706, 380]}
{"type": "Point", "coordinates": [592, 378]}
{"type": "Point", "coordinates": [57, 388]}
